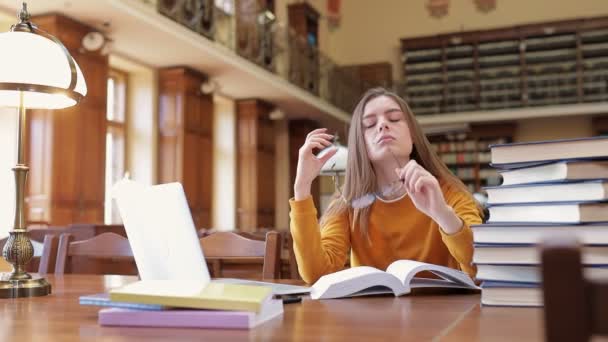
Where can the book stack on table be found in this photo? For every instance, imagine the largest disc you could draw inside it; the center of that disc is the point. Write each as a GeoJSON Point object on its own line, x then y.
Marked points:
{"type": "Point", "coordinates": [549, 188]}
{"type": "Point", "coordinates": [184, 304]}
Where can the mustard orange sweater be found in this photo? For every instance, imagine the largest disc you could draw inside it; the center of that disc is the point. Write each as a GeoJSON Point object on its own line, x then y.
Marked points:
{"type": "Point", "coordinates": [397, 230]}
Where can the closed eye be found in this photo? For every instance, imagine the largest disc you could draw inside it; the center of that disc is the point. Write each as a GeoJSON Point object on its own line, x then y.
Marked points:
{"type": "Point", "coordinates": [369, 123]}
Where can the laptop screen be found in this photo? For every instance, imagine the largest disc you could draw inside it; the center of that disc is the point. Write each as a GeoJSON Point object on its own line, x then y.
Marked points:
{"type": "Point", "coordinates": [161, 232]}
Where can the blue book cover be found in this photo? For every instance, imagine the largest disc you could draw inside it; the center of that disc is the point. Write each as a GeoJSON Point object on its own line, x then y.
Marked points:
{"type": "Point", "coordinates": [103, 299]}
{"type": "Point", "coordinates": [503, 284]}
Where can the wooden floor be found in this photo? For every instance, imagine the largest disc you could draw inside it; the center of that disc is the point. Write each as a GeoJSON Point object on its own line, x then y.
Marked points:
{"type": "Point", "coordinates": [420, 317]}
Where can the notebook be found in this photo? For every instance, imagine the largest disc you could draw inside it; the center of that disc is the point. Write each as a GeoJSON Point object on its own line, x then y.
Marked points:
{"type": "Point", "coordinates": [510, 155]}
{"type": "Point", "coordinates": [560, 171]}
{"type": "Point", "coordinates": [190, 318]}
{"type": "Point", "coordinates": [398, 280]}
{"type": "Point", "coordinates": [194, 294]}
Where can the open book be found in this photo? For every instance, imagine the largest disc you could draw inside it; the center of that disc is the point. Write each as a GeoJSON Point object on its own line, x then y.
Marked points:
{"type": "Point", "coordinates": [398, 279]}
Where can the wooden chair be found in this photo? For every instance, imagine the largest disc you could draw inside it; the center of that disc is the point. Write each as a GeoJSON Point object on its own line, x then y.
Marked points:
{"type": "Point", "coordinates": [84, 231]}
{"type": "Point", "coordinates": [201, 233]}
{"type": "Point", "coordinates": [291, 256]}
{"type": "Point", "coordinates": [289, 265]}
{"type": "Point", "coordinates": [107, 253]}
{"type": "Point", "coordinates": [39, 234]}
{"type": "Point", "coordinates": [45, 253]}
{"type": "Point", "coordinates": [575, 308]}
{"type": "Point", "coordinates": [45, 256]}
{"type": "Point", "coordinates": [223, 248]}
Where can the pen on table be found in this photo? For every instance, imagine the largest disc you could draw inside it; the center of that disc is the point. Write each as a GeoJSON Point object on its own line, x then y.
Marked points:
{"type": "Point", "coordinates": [291, 299]}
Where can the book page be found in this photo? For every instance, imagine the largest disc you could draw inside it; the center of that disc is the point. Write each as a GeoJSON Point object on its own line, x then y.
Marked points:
{"type": "Point", "coordinates": [405, 270]}
{"type": "Point", "coordinates": [350, 281]}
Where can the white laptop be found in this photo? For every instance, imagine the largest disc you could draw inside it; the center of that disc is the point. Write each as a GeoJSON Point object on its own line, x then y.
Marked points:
{"type": "Point", "coordinates": [160, 230]}
{"type": "Point", "coordinates": [163, 238]}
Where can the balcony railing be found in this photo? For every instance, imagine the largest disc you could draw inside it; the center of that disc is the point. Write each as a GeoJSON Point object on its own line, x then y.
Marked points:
{"type": "Point", "coordinates": [254, 34]}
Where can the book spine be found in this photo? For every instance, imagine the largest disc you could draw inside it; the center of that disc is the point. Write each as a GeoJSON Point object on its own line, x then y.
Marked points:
{"type": "Point", "coordinates": [121, 305]}
{"type": "Point", "coordinates": [175, 319]}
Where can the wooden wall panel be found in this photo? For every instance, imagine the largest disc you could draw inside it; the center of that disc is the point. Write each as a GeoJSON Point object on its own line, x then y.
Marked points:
{"type": "Point", "coordinates": [185, 138]}
{"type": "Point", "coordinates": [205, 180]}
{"type": "Point", "coordinates": [298, 130]}
{"type": "Point", "coordinates": [39, 187]}
{"type": "Point", "coordinates": [256, 166]}
{"type": "Point", "coordinates": [67, 147]}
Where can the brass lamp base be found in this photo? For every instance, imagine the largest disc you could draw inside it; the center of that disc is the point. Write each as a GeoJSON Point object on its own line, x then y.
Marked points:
{"type": "Point", "coordinates": [34, 287]}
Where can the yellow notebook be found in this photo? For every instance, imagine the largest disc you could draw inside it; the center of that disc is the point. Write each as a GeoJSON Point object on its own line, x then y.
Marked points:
{"type": "Point", "coordinates": [194, 294]}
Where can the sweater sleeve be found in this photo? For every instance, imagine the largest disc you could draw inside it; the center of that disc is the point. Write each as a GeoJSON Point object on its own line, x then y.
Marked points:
{"type": "Point", "coordinates": [318, 251]}
{"type": "Point", "coordinates": [460, 244]}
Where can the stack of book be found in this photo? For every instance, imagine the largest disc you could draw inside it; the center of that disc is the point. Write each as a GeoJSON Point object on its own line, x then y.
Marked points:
{"type": "Point", "coordinates": [185, 304]}
{"type": "Point", "coordinates": [549, 188]}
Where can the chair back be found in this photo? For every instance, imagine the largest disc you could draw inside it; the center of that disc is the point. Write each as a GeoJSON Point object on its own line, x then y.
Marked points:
{"type": "Point", "coordinates": [228, 247]}
{"type": "Point", "coordinates": [289, 265]}
{"type": "Point", "coordinates": [106, 253]}
{"type": "Point", "coordinates": [575, 308]}
{"type": "Point", "coordinates": [48, 256]}
{"type": "Point", "coordinates": [83, 231]}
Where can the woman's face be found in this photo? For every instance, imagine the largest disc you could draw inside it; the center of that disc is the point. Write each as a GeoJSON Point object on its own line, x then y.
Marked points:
{"type": "Point", "coordinates": [385, 130]}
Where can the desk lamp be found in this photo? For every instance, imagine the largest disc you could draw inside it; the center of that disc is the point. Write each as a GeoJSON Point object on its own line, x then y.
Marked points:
{"type": "Point", "coordinates": [38, 72]}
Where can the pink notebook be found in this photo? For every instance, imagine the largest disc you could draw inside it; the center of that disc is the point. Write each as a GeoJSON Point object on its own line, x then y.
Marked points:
{"type": "Point", "coordinates": [178, 318]}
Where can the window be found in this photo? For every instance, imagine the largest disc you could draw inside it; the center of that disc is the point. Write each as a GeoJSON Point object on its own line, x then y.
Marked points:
{"type": "Point", "coordinates": [226, 6]}
{"type": "Point", "coordinates": [116, 131]}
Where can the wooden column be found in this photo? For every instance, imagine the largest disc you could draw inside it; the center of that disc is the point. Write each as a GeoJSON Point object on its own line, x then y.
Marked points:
{"type": "Point", "coordinates": [66, 148]}
{"type": "Point", "coordinates": [298, 130]}
{"type": "Point", "coordinates": [185, 138]}
{"type": "Point", "coordinates": [255, 165]}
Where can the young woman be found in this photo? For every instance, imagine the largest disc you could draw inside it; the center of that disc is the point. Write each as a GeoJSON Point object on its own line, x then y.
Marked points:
{"type": "Point", "coordinates": [418, 209]}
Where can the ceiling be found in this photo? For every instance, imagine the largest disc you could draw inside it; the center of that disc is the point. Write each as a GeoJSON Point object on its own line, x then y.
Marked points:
{"type": "Point", "coordinates": [141, 34]}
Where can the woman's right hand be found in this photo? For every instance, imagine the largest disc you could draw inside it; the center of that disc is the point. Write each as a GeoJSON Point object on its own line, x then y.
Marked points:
{"type": "Point", "coordinates": [309, 165]}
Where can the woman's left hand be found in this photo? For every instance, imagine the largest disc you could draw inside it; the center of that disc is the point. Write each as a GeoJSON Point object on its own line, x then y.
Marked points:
{"type": "Point", "coordinates": [423, 188]}
{"type": "Point", "coordinates": [426, 194]}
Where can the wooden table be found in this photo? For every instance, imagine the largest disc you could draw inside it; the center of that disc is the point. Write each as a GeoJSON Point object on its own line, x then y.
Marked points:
{"type": "Point", "coordinates": [421, 317]}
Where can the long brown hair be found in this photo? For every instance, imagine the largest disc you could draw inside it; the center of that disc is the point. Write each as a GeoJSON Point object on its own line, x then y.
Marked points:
{"type": "Point", "coordinates": [360, 176]}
